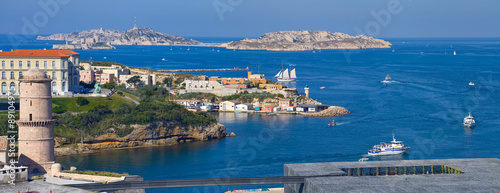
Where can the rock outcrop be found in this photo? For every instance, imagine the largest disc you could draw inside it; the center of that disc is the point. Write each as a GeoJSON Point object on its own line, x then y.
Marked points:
{"type": "Point", "coordinates": [134, 36]}
{"type": "Point", "coordinates": [146, 135]}
{"type": "Point", "coordinates": [307, 40]}
{"type": "Point", "coordinates": [330, 112]}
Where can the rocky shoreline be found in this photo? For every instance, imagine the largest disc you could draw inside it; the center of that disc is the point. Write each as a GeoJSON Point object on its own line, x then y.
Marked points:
{"type": "Point", "coordinates": [154, 134]}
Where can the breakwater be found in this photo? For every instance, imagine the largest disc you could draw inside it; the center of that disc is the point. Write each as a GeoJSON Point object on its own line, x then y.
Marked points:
{"type": "Point", "coordinates": [206, 70]}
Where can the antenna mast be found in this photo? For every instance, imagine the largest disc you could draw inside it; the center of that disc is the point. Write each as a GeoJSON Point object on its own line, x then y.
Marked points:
{"type": "Point", "coordinates": [135, 22]}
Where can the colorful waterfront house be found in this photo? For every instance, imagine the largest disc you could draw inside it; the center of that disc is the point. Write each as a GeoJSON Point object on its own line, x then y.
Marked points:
{"type": "Point", "coordinates": [299, 109]}
{"type": "Point", "coordinates": [284, 103]}
{"type": "Point", "coordinates": [244, 107]}
{"type": "Point", "coordinates": [256, 108]}
{"type": "Point", "coordinates": [290, 108]}
{"type": "Point", "coordinates": [269, 107]}
{"type": "Point", "coordinates": [228, 105]}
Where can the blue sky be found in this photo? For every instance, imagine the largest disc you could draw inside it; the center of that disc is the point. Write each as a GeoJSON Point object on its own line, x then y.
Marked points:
{"type": "Point", "coordinates": [252, 18]}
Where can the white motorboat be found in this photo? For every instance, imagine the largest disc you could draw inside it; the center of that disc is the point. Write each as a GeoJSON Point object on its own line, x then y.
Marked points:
{"type": "Point", "coordinates": [469, 121]}
{"type": "Point", "coordinates": [395, 147]}
{"type": "Point", "coordinates": [387, 79]}
{"type": "Point", "coordinates": [471, 84]}
{"type": "Point", "coordinates": [332, 123]}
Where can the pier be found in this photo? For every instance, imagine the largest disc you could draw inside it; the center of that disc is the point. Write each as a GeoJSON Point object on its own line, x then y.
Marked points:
{"type": "Point", "coordinates": [205, 70]}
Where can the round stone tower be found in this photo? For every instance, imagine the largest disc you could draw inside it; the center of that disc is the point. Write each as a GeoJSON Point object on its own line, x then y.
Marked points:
{"type": "Point", "coordinates": [36, 126]}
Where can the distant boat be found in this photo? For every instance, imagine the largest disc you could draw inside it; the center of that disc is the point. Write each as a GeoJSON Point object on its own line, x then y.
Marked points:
{"type": "Point", "coordinates": [271, 114]}
{"type": "Point", "coordinates": [395, 147]}
{"type": "Point", "coordinates": [469, 121]}
{"type": "Point", "coordinates": [332, 123]}
{"type": "Point", "coordinates": [471, 84]}
{"type": "Point", "coordinates": [454, 53]}
{"type": "Point", "coordinates": [363, 159]}
{"type": "Point", "coordinates": [322, 87]}
{"type": "Point", "coordinates": [285, 76]}
{"type": "Point", "coordinates": [188, 48]}
{"type": "Point", "coordinates": [170, 47]}
{"type": "Point", "coordinates": [105, 57]}
{"type": "Point", "coordinates": [392, 50]}
{"type": "Point", "coordinates": [387, 79]}
{"type": "Point", "coordinates": [163, 59]}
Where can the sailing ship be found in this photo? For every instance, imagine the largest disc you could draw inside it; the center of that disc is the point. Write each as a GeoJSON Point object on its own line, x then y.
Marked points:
{"type": "Point", "coordinates": [284, 75]}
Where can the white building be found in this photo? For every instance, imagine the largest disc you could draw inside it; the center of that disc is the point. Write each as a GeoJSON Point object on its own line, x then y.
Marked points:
{"type": "Point", "coordinates": [244, 107]}
{"type": "Point", "coordinates": [201, 85]}
{"type": "Point", "coordinates": [228, 105]}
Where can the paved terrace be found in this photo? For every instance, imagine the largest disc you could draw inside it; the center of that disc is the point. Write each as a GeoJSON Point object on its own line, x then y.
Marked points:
{"type": "Point", "coordinates": [450, 175]}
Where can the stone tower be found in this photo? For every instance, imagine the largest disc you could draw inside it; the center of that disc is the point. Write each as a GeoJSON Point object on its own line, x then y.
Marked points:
{"type": "Point", "coordinates": [306, 90]}
{"type": "Point", "coordinates": [36, 126]}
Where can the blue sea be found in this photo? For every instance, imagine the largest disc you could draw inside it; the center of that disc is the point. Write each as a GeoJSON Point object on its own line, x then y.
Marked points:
{"type": "Point", "coordinates": [424, 108]}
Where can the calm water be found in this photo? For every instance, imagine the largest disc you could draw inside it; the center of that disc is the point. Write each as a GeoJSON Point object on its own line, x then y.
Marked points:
{"type": "Point", "coordinates": [424, 108]}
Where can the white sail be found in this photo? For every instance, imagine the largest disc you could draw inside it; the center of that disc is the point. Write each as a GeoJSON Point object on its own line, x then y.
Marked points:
{"type": "Point", "coordinates": [285, 74]}
{"type": "Point", "coordinates": [278, 75]}
{"type": "Point", "coordinates": [292, 74]}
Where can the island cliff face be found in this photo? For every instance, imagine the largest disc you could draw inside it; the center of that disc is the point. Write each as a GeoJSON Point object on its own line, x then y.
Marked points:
{"type": "Point", "coordinates": [145, 135]}
{"type": "Point", "coordinates": [307, 40]}
{"type": "Point", "coordinates": [134, 36]}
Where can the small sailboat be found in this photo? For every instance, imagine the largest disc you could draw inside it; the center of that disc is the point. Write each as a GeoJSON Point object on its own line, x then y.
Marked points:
{"type": "Point", "coordinates": [322, 87]}
{"type": "Point", "coordinates": [188, 48]}
{"type": "Point", "coordinates": [286, 76]}
{"type": "Point", "coordinates": [394, 148]}
{"type": "Point", "coordinates": [387, 79]}
{"type": "Point", "coordinates": [170, 47]}
{"type": "Point", "coordinates": [469, 121]}
{"type": "Point", "coordinates": [454, 53]}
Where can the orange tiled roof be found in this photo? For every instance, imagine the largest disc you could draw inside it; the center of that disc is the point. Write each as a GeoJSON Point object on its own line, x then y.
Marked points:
{"type": "Point", "coordinates": [39, 53]}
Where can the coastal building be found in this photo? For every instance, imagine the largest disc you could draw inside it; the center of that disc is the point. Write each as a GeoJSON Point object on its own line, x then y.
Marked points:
{"type": "Point", "coordinates": [269, 107]}
{"type": "Point", "coordinates": [90, 76]}
{"type": "Point", "coordinates": [244, 107]}
{"type": "Point", "coordinates": [228, 105]}
{"type": "Point", "coordinates": [311, 108]}
{"type": "Point", "coordinates": [146, 79]}
{"type": "Point", "coordinates": [4, 146]}
{"type": "Point", "coordinates": [117, 71]}
{"type": "Point", "coordinates": [200, 85]}
{"type": "Point", "coordinates": [36, 125]}
{"type": "Point", "coordinates": [87, 76]}
{"type": "Point", "coordinates": [104, 78]}
{"type": "Point", "coordinates": [9, 172]}
{"type": "Point", "coordinates": [306, 90]}
{"type": "Point", "coordinates": [256, 78]}
{"type": "Point", "coordinates": [190, 104]}
{"type": "Point", "coordinates": [61, 66]}
{"type": "Point", "coordinates": [284, 103]}
{"type": "Point", "coordinates": [276, 86]}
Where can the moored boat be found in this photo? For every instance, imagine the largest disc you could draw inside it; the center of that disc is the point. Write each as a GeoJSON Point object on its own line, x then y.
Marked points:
{"type": "Point", "coordinates": [395, 147]}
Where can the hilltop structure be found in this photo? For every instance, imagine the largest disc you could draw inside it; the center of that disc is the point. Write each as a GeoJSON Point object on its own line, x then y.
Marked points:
{"type": "Point", "coordinates": [36, 126]}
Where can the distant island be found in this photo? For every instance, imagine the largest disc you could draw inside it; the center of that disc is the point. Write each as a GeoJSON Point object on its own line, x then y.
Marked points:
{"type": "Point", "coordinates": [274, 41]}
{"type": "Point", "coordinates": [307, 40]}
{"type": "Point", "coordinates": [104, 39]}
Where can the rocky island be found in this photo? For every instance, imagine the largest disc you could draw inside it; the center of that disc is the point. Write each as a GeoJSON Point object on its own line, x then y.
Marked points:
{"type": "Point", "coordinates": [307, 40]}
{"type": "Point", "coordinates": [135, 36]}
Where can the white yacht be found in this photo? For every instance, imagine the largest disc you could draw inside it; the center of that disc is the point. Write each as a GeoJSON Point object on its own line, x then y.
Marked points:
{"type": "Point", "coordinates": [387, 79]}
{"type": "Point", "coordinates": [471, 84]}
{"type": "Point", "coordinates": [395, 147]}
{"type": "Point", "coordinates": [469, 121]}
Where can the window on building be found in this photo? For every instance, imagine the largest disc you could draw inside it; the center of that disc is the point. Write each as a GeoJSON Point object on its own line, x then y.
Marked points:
{"type": "Point", "coordinates": [64, 64]}
{"type": "Point", "coordinates": [29, 64]}
{"type": "Point", "coordinates": [64, 86]}
{"type": "Point", "coordinates": [53, 75]}
{"type": "Point", "coordinates": [12, 64]}
{"type": "Point", "coordinates": [11, 75]}
{"type": "Point", "coordinates": [20, 75]}
{"type": "Point", "coordinates": [12, 87]}
{"type": "Point", "coordinates": [3, 63]}
{"type": "Point", "coordinates": [45, 64]}
{"type": "Point", "coordinates": [37, 64]}
{"type": "Point", "coordinates": [19, 87]}
{"type": "Point", "coordinates": [3, 75]}
{"type": "Point", "coordinates": [4, 87]}
{"type": "Point", "coordinates": [54, 87]}
{"type": "Point", "coordinates": [20, 64]}
{"type": "Point", "coordinates": [63, 75]}
{"type": "Point", "coordinates": [53, 64]}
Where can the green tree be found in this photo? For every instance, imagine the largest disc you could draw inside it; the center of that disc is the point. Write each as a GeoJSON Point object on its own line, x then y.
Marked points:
{"type": "Point", "coordinates": [134, 80]}
{"type": "Point", "coordinates": [110, 85]}
{"type": "Point", "coordinates": [168, 81]}
{"type": "Point", "coordinates": [248, 83]}
{"type": "Point", "coordinates": [81, 101]}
